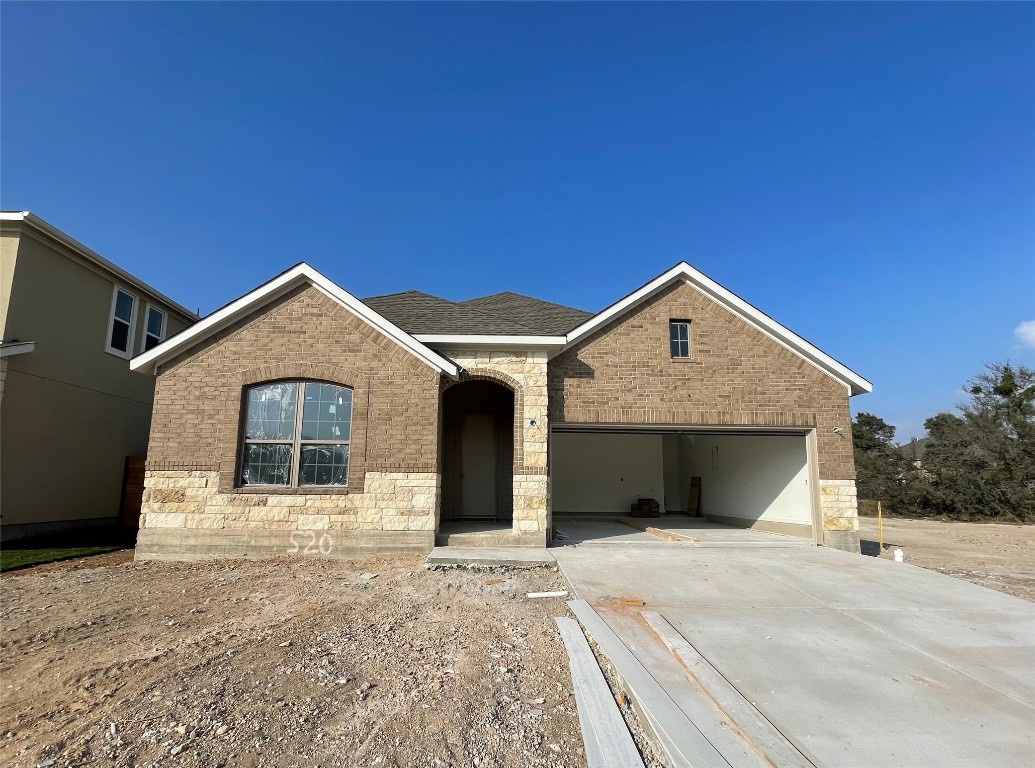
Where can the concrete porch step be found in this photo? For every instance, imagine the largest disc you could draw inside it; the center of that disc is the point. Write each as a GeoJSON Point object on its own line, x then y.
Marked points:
{"type": "Point", "coordinates": [503, 538]}
{"type": "Point", "coordinates": [514, 557]}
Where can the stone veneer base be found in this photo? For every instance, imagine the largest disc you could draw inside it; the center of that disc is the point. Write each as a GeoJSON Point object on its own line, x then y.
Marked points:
{"type": "Point", "coordinates": [210, 544]}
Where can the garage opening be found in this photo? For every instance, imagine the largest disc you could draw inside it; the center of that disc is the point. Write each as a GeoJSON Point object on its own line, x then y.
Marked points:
{"type": "Point", "coordinates": [747, 479]}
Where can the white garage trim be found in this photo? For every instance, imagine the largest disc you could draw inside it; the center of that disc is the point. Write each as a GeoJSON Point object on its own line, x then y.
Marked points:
{"type": "Point", "coordinates": [754, 482]}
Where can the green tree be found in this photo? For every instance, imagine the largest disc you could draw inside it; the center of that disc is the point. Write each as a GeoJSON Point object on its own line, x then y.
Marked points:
{"type": "Point", "coordinates": [879, 465]}
{"type": "Point", "coordinates": [981, 460]}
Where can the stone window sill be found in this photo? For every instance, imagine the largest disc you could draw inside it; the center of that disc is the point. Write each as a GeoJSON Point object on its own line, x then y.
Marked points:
{"type": "Point", "coordinates": [273, 490]}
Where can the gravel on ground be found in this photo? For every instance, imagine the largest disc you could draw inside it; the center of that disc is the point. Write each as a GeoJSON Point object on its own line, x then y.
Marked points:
{"type": "Point", "coordinates": [112, 662]}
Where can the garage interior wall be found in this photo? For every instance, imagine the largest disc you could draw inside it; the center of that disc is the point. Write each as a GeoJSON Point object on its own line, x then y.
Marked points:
{"type": "Point", "coordinates": [604, 473]}
{"type": "Point", "coordinates": [743, 477]}
{"type": "Point", "coordinates": [748, 477]}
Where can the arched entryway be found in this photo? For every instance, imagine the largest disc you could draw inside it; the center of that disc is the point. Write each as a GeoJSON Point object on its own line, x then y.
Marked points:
{"type": "Point", "coordinates": [477, 452]}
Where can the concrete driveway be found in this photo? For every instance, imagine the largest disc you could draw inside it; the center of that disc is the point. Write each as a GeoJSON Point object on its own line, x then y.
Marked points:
{"type": "Point", "coordinates": [857, 661]}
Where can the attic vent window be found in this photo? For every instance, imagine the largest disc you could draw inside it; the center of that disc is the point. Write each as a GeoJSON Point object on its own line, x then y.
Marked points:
{"type": "Point", "coordinates": [679, 338]}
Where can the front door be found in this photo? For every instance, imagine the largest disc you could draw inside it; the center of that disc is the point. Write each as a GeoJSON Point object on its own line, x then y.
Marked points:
{"type": "Point", "coordinates": [478, 466]}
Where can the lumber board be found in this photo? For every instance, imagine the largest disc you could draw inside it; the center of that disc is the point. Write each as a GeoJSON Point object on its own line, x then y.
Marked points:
{"type": "Point", "coordinates": [604, 733]}
{"type": "Point", "coordinates": [756, 728]}
{"type": "Point", "coordinates": [681, 740]}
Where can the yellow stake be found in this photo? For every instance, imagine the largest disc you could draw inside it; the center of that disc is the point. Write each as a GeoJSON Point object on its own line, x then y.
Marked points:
{"type": "Point", "coordinates": [880, 528]}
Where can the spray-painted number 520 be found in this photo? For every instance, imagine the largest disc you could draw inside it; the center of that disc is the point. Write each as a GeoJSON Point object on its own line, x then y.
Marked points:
{"type": "Point", "coordinates": [305, 542]}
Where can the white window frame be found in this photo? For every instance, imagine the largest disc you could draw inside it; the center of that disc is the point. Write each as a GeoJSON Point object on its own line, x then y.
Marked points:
{"type": "Point", "coordinates": [295, 441]}
{"type": "Point", "coordinates": [688, 341]}
{"type": "Point", "coordinates": [148, 306]}
{"type": "Point", "coordinates": [128, 352]}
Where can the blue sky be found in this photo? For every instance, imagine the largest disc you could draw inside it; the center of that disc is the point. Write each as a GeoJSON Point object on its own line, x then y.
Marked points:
{"type": "Point", "coordinates": [864, 173]}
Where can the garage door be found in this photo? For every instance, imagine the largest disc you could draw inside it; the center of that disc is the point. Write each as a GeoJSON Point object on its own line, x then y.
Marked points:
{"type": "Point", "coordinates": [758, 479]}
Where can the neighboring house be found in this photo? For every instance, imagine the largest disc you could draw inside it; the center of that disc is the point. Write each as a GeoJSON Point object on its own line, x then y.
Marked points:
{"type": "Point", "coordinates": [914, 450]}
{"type": "Point", "coordinates": [299, 419]}
{"type": "Point", "coordinates": [71, 410]}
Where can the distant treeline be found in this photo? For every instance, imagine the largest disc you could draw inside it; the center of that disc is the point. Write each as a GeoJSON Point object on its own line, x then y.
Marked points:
{"type": "Point", "coordinates": [977, 463]}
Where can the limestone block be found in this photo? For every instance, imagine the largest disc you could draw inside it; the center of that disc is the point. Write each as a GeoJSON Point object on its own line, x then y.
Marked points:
{"type": "Point", "coordinates": [167, 495]}
{"type": "Point", "coordinates": [369, 515]}
{"type": "Point", "coordinates": [225, 510]}
{"type": "Point", "coordinates": [268, 515]}
{"type": "Point", "coordinates": [535, 502]}
{"type": "Point", "coordinates": [341, 522]}
{"type": "Point", "coordinates": [363, 501]}
{"type": "Point", "coordinates": [535, 458]}
{"type": "Point", "coordinates": [285, 501]}
{"type": "Point", "coordinates": [206, 521]}
{"type": "Point", "coordinates": [526, 526]}
{"type": "Point", "coordinates": [176, 482]}
{"type": "Point", "coordinates": [312, 522]}
{"type": "Point", "coordinates": [164, 520]}
{"type": "Point", "coordinates": [395, 523]}
{"type": "Point", "coordinates": [841, 523]}
{"type": "Point", "coordinates": [188, 507]}
{"type": "Point", "coordinates": [329, 502]}
{"type": "Point", "coordinates": [422, 523]}
{"type": "Point", "coordinates": [247, 500]}
{"type": "Point", "coordinates": [379, 486]}
{"type": "Point", "coordinates": [423, 501]}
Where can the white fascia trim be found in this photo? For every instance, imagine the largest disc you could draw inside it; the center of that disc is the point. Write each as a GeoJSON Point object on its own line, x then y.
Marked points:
{"type": "Point", "coordinates": [27, 217]}
{"type": "Point", "coordinates": [17, 348]}
{"type": "Point", "coordinates": [478, 340]}
{"type": "Point", "coordinates": [265, 293]}
{"type": "Point", "coordinates": [784, 336]}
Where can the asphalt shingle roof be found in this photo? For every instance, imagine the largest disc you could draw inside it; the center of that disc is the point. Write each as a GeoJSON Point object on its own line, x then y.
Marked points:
{"type": "Point", "coordinates": [548, 318]}
{"type": "Point", "coordinates": [502, 314]}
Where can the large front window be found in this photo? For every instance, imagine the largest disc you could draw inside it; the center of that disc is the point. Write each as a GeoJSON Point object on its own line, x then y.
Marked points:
{"type": "Point", "coordinates": [287, 445]}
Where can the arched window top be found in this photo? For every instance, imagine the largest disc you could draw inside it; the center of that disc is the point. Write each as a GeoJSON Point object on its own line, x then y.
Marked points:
{"type": "Point", "coordinates": [288, 445]}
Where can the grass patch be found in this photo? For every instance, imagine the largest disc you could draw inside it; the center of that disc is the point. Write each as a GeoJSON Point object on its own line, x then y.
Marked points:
{"type": "Point", "coordinates": [21, 558]}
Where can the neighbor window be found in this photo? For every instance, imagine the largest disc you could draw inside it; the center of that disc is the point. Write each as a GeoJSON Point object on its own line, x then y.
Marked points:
{"type": "Point", "coordinates": [284, 444]}
{"type": "Point", "coordinates": [120, 323]}
{"type": "Point", "coordinates": [679, 337]}
{"type": "Point", "coordinates": [154, 331]}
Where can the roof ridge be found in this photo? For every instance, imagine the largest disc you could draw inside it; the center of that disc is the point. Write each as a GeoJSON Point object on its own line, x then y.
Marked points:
{"type": "Point", "coordinates": [410, 292]}
{"type": "Point", "coordinates": [496, 315]}
{"type": "Point", "coordinates": [488, 314]}
{"type": "Point", "coordinates": [525, 296]}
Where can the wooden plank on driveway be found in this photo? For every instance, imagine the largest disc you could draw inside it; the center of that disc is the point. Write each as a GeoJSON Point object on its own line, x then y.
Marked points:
{"type": "Point", "coordinates": [756, 729]}
{"type": "Point", "coordinates": [684, 744]}
{"type": "Point", "coordinates": [607, 739]}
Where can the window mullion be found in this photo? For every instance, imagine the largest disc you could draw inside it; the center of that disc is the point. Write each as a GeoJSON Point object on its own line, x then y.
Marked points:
{"type": "Point", "coordinates": [296, 449]}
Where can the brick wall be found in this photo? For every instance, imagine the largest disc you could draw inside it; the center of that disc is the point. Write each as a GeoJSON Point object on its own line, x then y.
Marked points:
{"type": "Point", "coordinates": [195, 433]}
{"type": "Point", "coordinates": [736, 376]}
{"type": "Point", "coordinates": [198, 396]}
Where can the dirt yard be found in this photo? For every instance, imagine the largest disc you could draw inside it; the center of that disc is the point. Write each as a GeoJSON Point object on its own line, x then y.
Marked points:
{"type": "Point", "coordinates": [997, 556]}
{"type": "Point", "coordinates": [110, 662]}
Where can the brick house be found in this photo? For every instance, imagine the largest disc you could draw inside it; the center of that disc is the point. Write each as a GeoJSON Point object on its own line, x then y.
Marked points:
{"type": "Point", "coordinates": [299, 419]}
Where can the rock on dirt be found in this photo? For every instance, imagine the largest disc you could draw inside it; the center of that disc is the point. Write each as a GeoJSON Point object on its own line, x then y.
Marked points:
{"type": "Point", "coordinates": [283, 663]}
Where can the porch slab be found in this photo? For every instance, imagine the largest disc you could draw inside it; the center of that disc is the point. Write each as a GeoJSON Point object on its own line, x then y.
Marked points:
{"type": "Point", "coordinates": [515, 557]}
